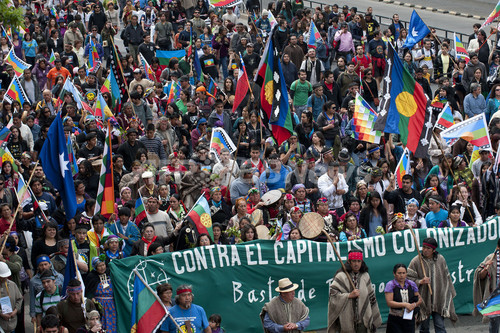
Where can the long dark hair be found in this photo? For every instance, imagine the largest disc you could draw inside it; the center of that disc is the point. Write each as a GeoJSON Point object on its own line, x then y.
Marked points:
{"type": "Point", "coordinates": [364, 267]}
{"type": "Point", "coordinates": [49, 224]}
{"type": "Point", "coordinates": [438, 188]}
{"type": "Point", "coordinates": [432, 241]}
{"type": "Point", "coordinates": [244, 230]}
{"type": "Point", "coordinates": [89, 169]}
{"type": "Point", "coordinates": [381, 209]}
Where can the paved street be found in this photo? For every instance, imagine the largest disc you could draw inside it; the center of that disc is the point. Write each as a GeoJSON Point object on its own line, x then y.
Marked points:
{"type": "Point", "coordinates": [477, 7]}
{"type": "Point", "coordinates": [465, 324]}
{"type": "Point", "coordinates": [433, 19]}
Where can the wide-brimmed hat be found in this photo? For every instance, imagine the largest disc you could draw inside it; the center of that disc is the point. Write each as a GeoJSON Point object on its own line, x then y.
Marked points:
{"type": "Point", "coordinates": [4, 270]}
{"type": "Point", "coordinates": [285, 285]}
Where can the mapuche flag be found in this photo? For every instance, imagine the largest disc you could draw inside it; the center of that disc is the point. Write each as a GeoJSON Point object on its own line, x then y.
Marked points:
{"type": "Point", "coordinates": [445, 118]}
{"type": "Point", "coordinates": [148, 312]}
{"type": "Point", "coordinates": [140, 211]}
{"type": "Point", "coordinates": [474, 130]}
{"type": "Point", "coordinates": [403, 107]}
{"type": "Point", "coordinates": [116, 67]}
{"type": "Point", "coordinates": [111, 86]}
{"type": "Point", "coordinates": [274, 94]}
{"type": "Point", "coordinates": [105, 203]}
{"type": "Point", "coordinates": [403, 168]}
{"type": "Point", "coordinates": [200, 217]}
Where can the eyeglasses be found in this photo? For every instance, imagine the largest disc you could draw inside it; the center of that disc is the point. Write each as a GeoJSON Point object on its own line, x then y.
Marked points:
{"type": "Point", "coordinates": [1, 183]}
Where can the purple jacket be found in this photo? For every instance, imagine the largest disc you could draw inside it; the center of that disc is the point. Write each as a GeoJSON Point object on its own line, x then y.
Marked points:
{"type": "Point", "coordinates": [41, 75]}
{"type": "Point", "coordinates": [446, 224]}
{"type": "Point", "coordinates": [222, 47]}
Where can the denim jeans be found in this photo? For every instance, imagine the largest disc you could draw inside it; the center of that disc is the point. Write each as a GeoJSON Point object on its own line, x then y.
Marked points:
{"type": "Point", "coordinates": [300, 109]}
{"type": "Point", "coordinates": [438, 324]}
{"type": "Point", "coordinates": [494, 325]}
{"type": "Point", "coordinates": [223, 63]}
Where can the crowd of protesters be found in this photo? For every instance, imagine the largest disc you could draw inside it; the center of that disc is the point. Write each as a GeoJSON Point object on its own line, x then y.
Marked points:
{"type": "Point", "coordinates": [162, 149]}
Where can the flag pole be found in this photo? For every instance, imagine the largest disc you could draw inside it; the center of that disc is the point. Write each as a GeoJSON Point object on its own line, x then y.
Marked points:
{"type": "Point", "coordinates": [217, 86]}
{"type": "Point", "coordinates": [492, 31]}
{"type": "Point", "coordinates": [420, 256]}
{"type": "Point", "coordinates": [77, 271]}
{"type": "Point", "coordinates": [248, 81]}
{"type": "Point", "coordinates": [157, 298]}
{"type": "Point", "coordinates": [257, 31]}
{"type": "Point", "coordinates": [451, 170]}
{"type": "Point", "coordinates": [196, 202]}
{"type": "Point", "coordinates": [234, 162]}
{"type": "Point", "coordinates": [17, 210]}
{"type": "Point", "coordinates": [339, 258]}
{"type": "Point", "coordinates": [121, 68]}
{"type": "Point", "coordinates": [441, 44]}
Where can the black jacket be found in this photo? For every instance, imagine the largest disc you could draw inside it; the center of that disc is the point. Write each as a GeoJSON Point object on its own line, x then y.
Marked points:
{"type": "Point", "coordinates": [290, 73]}
{"type": "Point", "coordinates": [129, 152]}
{"type": "Point", "coordinates": [334, 94]}
{"type": "Point", "coordinates": [98, 19]}
{"type": "Point", "coordinates": [365, 216]}
{"type": "Point", "coordinates": [426, 86]}
{"type": "Point", "coordinates": [134, 35]}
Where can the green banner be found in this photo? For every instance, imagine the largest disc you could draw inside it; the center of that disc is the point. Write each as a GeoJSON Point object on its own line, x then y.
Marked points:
{"type": "Point", "coordinates": [236, 280]}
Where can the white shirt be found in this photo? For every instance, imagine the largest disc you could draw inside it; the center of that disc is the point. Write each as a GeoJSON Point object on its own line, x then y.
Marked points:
{"type": "Point", "coordinates": [427, 60]}
{"type": "Point", "coordinates": [27, 135]}
{"type": "Point", "coordinates": [478, 220]}
{"type": "Point", "coordinates": [162, 223]}
{"type": "Point", "coordinates": [225, 179]}
{"type": "Point", "coordinates": [329, 190]}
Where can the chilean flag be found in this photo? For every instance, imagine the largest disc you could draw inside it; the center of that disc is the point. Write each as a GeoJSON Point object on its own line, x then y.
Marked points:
{"type": "Point", "coordinates": [242, 86]}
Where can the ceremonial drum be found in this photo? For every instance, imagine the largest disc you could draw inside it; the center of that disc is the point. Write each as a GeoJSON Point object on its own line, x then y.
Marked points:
{"type": "Point", "coordinates": [262, 232]}
{"type": "Point", "coordinates": [271, 197]}
{"type": "Point", "coordinates": [311, 225]}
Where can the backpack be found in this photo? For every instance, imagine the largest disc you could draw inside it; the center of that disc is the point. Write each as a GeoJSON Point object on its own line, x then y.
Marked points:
{"type": "Point", "coordinates": [123, 37]}
{"type": "Point", "coordinates": [323, 98]}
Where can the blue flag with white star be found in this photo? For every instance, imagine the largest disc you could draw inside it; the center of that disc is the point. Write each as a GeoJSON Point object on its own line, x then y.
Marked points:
{"type": "Point", "coordinates": [417, 31]}
{"type": "Point", "coordinates": [56, 165]}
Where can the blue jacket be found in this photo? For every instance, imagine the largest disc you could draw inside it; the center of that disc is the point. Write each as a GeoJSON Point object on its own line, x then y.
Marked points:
{"type": "Point", "coordinates": [100, 51]}
{"type": "Point", "coordinates": [132, 233]}
{"type": "Point", "coordinates": [274, 180]}
{"type": "Point", "coordinates": [264, 24]}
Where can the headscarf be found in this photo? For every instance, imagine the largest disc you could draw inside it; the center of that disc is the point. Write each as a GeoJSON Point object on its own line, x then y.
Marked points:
{"type": "Point", "coordinates": [413, 201]}
{"type": "Point", "coordinates": [296, 187]}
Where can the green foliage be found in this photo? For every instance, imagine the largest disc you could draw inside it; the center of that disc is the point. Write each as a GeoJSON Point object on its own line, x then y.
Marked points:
{"type": "Point", "coordinates": [10, 16]}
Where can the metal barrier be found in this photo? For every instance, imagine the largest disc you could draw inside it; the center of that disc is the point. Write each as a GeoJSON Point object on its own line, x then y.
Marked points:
{"type": "Point", "coordinates": [387, 21]}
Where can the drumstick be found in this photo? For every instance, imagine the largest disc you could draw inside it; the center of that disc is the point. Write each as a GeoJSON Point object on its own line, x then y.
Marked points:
{"type": "Point", "coordinates": [420, 257]}
{"type": "Point", "coordinates": [338, 257]}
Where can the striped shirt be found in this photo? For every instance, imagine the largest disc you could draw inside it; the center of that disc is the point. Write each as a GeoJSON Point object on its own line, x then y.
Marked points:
{"type": "Point", "coordinates": [154, 145]}
{"type": "Point", "coordinates": [48, 301]}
